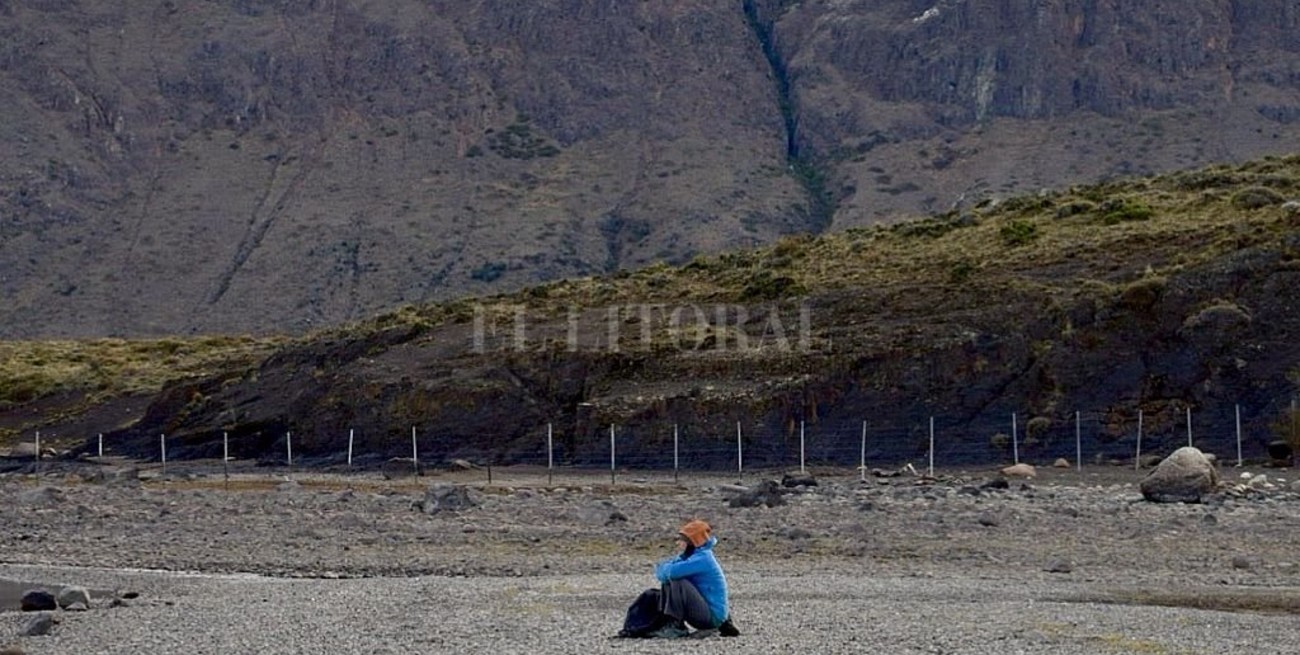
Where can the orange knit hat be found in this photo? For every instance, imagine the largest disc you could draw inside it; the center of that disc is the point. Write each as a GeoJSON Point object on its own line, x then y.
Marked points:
{"type": "Point", "coordinates": [697, 532]}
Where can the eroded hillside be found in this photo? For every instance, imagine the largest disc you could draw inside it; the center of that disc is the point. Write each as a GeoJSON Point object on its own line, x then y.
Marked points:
{"type": "Point", "coordinates": [1159, 296]}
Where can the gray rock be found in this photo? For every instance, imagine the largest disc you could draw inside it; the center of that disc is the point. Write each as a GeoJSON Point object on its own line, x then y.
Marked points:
{"type": "Point", "coordinates": [39, 626]}
{"type": "Point", "coordinates": [798, 480]}
{"type": "Point", "coordinates": [447, 498]}
{"type": "Point", "coordinates": [1059, 566]}
{"type": "Point", "coordinates": [765, 494]}
{"type": "Point", "coordinates": [797, 534]}
{"type": "Point", "coordinates": [1183, 477]}
{"type": "Point", "coordinates": [73, 594]}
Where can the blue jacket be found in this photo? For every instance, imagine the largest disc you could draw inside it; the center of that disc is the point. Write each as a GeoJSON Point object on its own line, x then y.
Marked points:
{"type": "Point", "coordinates": [703, 571]}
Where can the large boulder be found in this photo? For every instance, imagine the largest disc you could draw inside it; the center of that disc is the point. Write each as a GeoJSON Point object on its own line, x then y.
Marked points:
{"type": "Point", "coordinates": [1183, 477]}
{"type": "Point", "coordinates": [791, 480]}
{"type": "Point", "coordinates": [1280, 450]}
{"type": "Point", "coordinates": [765, 494]}
{"type": "Point", "coordinates": [72, 596]}
{"type": "Point", "coordinates": [1020, 471]}
{"type": "Point", "coordinates": [38, 600]}
{"type": "Point", "coordinates": [447, 498]}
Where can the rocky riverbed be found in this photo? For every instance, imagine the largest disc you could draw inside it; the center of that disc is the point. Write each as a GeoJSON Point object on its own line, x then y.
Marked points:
{"type": "Point", "coordinates": [825, 559]}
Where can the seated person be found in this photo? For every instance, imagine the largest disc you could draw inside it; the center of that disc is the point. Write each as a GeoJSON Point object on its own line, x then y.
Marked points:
{"type": "Point", "coordinates": [692, 592]}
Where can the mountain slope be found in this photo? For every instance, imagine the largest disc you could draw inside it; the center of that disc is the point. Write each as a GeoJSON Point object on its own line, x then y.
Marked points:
{"type": "Point", "coordinates": [200, 167]}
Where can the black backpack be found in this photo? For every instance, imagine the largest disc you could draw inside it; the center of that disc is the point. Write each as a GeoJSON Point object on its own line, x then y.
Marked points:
{"type": "Point", "coordinates": [643, 616]}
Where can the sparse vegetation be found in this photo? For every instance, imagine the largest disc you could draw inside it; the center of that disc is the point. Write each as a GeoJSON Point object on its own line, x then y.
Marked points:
{"type": "Point", "coordinates": [1076, 208]}
{"type": "Point", "coordinates": [1256, 197]}
{"type": "Point", "coordinates": [766, 286]}
{"type": "Point", "coordinates": [1121, 210]}
{"type": "Point", "coordinates": [103, 368]}
{"type": "Point", "coordinates": [1018, 233]}
{"type": "Point", "coordinates": [1143, 293]}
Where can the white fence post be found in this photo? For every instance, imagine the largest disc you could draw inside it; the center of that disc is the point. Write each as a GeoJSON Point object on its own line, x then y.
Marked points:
{"type": "Point", "coordinates": [1238, 412]}
{"type": "Point", "coordinates": [740, 453]}
{"type": "Point", "coordinates": [931, 446]}
{"type": "Point", "coordinates": [550, 455]}
{"type": "Point", "coordinates": [1015, 441]}
{"type": "Point", "coordinates": [1078, 442]}
{"type": "Point", "coordinates": [611, 454]}
{"type": "Point", "coordinates": [675, 451]}
{"type": "Point", "coordinates": [101, 444]}
{"type": "Point", "coordinates": [415, 452]}
{"type": "Point", "coordinates": [862, 456]}
{"type": "Point", "coordinates": [1137, 458]}
{"type": "Point", "coordinates": [1189, 426]}
{"type": "Point", "coordinates": [162, 440]}
{"type": "Point", "coordinates": [801, 451]}
{"type": "Point", "coordinates": [351, 435]}
{"type": "Point", "coordinates": [225, 457]}
{"type": "Point", "coordinates": [288, 449]}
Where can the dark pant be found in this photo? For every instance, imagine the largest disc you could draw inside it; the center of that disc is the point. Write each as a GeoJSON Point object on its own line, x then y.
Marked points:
{"type": "Point", "coordinates": [676, 600]}
{"type": "Point", "coordinates": [680, 600]}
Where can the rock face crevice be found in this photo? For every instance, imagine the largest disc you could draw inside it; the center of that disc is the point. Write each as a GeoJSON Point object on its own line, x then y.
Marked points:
{"type": "Point", "coordinates": [804, 165]}
{"type": "Point", "coordinates": [761, 18]}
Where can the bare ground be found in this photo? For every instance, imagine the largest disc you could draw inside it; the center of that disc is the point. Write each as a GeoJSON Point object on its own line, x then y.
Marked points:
{"type": "Point", "coordinates": [1070, 562]}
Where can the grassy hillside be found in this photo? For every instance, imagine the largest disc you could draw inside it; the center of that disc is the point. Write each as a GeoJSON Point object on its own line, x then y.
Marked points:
{"type": "Point", "coordinates": [1102, 237]}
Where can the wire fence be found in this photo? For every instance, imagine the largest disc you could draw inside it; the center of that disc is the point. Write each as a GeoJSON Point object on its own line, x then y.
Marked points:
{"type": "Point", "coordinates": [1233, 433]}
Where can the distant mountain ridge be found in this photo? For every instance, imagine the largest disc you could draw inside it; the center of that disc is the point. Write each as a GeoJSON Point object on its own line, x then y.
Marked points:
{"type": "Point", "coordinates": [227, 166]}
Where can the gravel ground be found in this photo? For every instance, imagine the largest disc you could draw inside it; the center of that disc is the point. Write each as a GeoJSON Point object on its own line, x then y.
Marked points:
{"type": "Point", "coordinates": [815, 612]}
{"type": "Point", "coordinates": [356, 564]}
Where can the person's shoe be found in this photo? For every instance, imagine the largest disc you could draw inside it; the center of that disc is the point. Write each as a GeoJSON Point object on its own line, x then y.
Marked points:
{"type": "Point", "coordinates": [728, 629]}
{"type": "Point", "coordinates": [705, 633]}
{"type": "Point", "coordinates": [674, 630]}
